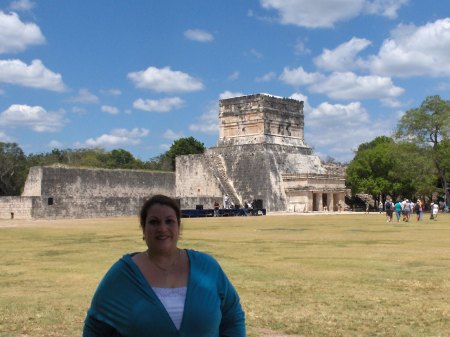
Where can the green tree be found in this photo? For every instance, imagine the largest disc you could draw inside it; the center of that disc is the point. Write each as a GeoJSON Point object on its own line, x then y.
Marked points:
{"type": "Point", "coordinates": [429, 126]}
{"type": "Point", "coordinates": [370, 169]}
{"type": "Point", "coordinates": [413, 174]}
{"type": "Point", "coordinates": [13, 169]}
{"type": "Point", "coordinates": [122, 159]}
{"type": "Point", "coordinates": [182, 146]}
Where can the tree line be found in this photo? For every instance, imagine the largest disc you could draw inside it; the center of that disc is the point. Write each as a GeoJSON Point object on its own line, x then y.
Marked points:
{"type": "Point", "coordinates": [14, 164]}
{"type": "Point", "coordinates": [414, 162]}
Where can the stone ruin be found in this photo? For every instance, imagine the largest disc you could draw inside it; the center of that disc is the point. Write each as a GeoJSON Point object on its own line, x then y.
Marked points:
{"type": "Point", "coordinates": [260, 157]}
{"type": "Point", "coordinates": [63, 192]}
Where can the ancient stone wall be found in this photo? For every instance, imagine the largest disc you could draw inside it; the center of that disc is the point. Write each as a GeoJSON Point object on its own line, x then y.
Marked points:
{"type": "Point", "coordinates": [33, 183]}
{"type": "Point", "coordinates": [195, 182]}
{"type": "Point", "coordinates": [79, 207]}
{"type": "Point", "coordinates": [15, 207]}
{"type": "Point", "coordinates": [85, 183]}
{"type": "Point", "coordinates": [60, 192]}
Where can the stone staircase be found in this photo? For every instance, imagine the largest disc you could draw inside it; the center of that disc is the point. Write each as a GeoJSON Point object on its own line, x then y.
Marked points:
{"type": "Point", "coordinates": [219, 171]}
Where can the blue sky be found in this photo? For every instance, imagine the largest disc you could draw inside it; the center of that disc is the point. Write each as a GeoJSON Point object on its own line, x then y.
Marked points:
{"type": "Point", "coordinates": [139, 74]}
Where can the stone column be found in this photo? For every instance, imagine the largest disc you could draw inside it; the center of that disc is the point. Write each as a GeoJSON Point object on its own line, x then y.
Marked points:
{"type": "Point", "coordinates": [310, 203]}
{"type": "Point", "coordinates": [319, 203]}
{"type": "Point", "coordinates": [330, 202]}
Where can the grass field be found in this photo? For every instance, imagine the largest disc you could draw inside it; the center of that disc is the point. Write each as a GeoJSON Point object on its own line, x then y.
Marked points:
{"type": "Point", "coordinates": [322, 275]}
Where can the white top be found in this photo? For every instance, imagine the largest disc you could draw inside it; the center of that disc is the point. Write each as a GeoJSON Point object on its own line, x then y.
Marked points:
{"type": "Point", "coordinates": [173, 300]}
{"type": "Point", "coordinates": [435, 208]}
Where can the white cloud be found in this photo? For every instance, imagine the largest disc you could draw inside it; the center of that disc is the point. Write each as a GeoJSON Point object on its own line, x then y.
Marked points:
{"type": "Point", "coordinates": [326, 114]}
{"type": "Point", "coordinates": [338, 129]}
{"type": "Point", "coordinates": [300, 48]}
{"type": "Point", "coordinates": [343, 85]}
{"type": "Point", "coordinates": [415, 51]}
{"type": "Point", "coordinates": [386, 8]}
{"type": "Point", "coordinates": [165, 147]}
{"type": "Point", "coordinates": [110, 109]}
{"type": "Point", "coordinates": [342, 58]}
{"type": "Point", "coordinates": [234, 76]}
{"type": "Point", "coordinates": [158, 105]}
{"type": "Point", "coordinates": [230, 94]}
{"type": "Point", "coordinates": [314, 14]}
{"type": "Point", "coordinates": [326, 13]}
{"type": "Point", "coordinates": [298, 77]}
{"type": "Point", "coordinates": [391, 102]}
{"type": "Point", "coordinates": [208, 122]}
{"type": "Point", "coordinates": [198, 35]}
{"type": "Point", "coordinates": [112, 92]}
{"type": "Point", "coordinates": [55, 144]}
{"type": "Point", "coordinates": [33, 117]}
{"type": "Point", "coordinates": [36, 75]}
{"type": "Point", "coordinates": [79, 110]}
{"type": "Point", "coordinates": [84, 96]}
{"type": "Point", "coordinates": [266, 77]}
{"type": "Point", "coordinates": [5, 138]}
{"type": "Point", "coordinates": [170, 134]}
{"type": "Point", "coordinates": [165, 80]}
{"type": "Point", "coordinates": [118, 137]}
{"type": "Point", "coordinates": [22, 5]}
{"type": "Point", "coordinates": [307, 109]}
{"type": "Point", "coordinates": [16, 36]}
{"type": "Point", "coordinates": [256, 53]}
{"type": "Point", "coordinates": [350, 86]}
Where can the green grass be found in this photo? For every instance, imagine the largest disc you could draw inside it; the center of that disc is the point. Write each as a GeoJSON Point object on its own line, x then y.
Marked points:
{"type": "Point", "coordinates": [323, 275]}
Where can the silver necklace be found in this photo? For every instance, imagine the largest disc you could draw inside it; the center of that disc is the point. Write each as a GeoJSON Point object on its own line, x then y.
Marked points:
{"type": "Point", "coordinates": [164, 269]}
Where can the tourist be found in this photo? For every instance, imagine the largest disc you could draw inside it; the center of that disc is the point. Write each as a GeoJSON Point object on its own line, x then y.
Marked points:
{"type": "Point", "coordinates": [389, 207]}
{"type": "Point", "coordinates": [406, 210]}
{"type": "Point", "coordinates": [380, 207]}
{"type": "Point", "coordinates": [398, 209]}
{"type": "Point", "coordinates": [418, 209]}
{"type": "Point", "coordinates": [435, 210]}
{"type": "Point", "coordinates": [164, 290]}
{"type": "Point", "coordinates": [367, 207]}
{"type": "Point", "coordinates": [216, 208]}
{"type": "Point", "coordinates": [226, 201]}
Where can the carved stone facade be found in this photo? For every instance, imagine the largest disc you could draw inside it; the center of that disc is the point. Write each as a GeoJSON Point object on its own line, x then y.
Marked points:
{"type": "Point", "coordinates": [261, 155]}
{"type": "Point", "coordinates": [262, 119]}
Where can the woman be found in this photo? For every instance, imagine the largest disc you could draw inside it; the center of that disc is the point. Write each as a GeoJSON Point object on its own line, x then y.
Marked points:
{"type": "Point", "coordinates": [164, 290]}
{"type": "Point", "coordinates": [418, 209]}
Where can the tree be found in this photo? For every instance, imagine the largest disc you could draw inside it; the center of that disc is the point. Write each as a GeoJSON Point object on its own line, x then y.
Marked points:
{"type": "Point", "coordinates": [429, 127]}
{"type": "Point", "coordinates": [414, 173]}
{"type": "Point", "coordinates": [370, 169]}
{"type": "Point", "coordinates": [13, 169]}
{"type": "Point", "coordinates": [183, 146]}
{"type": "Point", "coordinates": [122, 159]}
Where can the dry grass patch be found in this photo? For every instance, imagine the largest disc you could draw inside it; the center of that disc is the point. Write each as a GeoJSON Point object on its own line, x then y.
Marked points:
{"type": "Point", "coordinates": [324, 275]}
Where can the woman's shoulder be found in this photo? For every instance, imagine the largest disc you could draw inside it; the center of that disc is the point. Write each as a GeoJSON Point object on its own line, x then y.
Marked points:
{"type": "Point", "coordinates": [123, 263]}
{"type": "Point", "coordinates": [201, 257]}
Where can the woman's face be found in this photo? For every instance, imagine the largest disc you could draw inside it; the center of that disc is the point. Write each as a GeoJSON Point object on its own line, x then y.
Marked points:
{"type": "Point", "coordinates": [162, 229]}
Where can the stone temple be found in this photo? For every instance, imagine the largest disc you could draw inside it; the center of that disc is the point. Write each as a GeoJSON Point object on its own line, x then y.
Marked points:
{"type": "Point", "coordinates": [261, 157]}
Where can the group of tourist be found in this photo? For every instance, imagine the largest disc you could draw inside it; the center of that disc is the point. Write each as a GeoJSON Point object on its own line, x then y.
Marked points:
{"type": "Point", "coordinates": [406, 208]}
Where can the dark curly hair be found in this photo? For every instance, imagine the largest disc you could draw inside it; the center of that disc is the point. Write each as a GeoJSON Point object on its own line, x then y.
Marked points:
{"type": "Point", "coordinates": [162, 200]}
